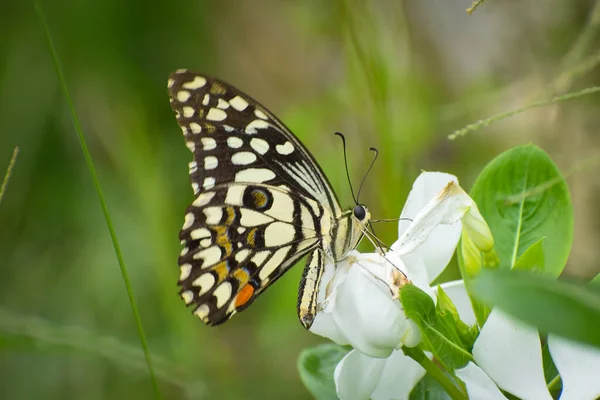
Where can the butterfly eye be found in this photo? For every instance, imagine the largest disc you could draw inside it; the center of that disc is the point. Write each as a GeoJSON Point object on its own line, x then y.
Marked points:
{"type": "Point", "coordinates": [360, 212]}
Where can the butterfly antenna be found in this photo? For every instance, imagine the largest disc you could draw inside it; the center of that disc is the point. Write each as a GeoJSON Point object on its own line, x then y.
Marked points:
{"type": "Point", "coordinates": [346, 164]}
{"type": "Point", "coordinates": [369, 170]}
{"type": "Point", "coordinates": [391, 219]}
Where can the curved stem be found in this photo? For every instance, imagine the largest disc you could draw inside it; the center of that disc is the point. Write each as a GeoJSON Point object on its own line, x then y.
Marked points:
{"type": "Point", "coordinates": [436, 373]}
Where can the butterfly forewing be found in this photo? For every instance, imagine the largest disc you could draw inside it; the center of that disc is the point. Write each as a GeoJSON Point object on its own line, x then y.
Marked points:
{"type": "Point", "coordinates": [262, 202]}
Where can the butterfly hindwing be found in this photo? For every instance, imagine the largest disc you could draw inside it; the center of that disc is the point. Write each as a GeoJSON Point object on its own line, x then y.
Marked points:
{"type": "Point", "coordinates": [238, 239]}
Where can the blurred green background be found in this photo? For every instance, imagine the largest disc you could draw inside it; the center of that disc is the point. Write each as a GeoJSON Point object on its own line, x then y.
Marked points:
{"type": "Point", "coordinates": [397, 75]}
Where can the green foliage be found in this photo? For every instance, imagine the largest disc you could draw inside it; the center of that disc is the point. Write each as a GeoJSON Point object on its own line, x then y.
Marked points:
{"type": "Point", "coordinates": [523, 198]}
{"type": "Point", "coordinates": [567, 309]}
{"type": "Point", "coordinates": [316, 366]}
{"type": "Point", "coordinates": [428, 389]}
{"type": "Point", "coordinates": [533, 258]}
{"type": "Point", "coordinates": [442, 332]}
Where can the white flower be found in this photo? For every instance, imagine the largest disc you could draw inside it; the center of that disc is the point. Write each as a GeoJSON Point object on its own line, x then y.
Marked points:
{"type": "Point", "coordinates": [359, 297]}
{"type": "Point", "coordinates": [508, 354]}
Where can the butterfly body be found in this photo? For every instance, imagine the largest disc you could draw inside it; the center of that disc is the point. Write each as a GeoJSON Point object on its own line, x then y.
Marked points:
{"type": "Point", "coordinates": [262, 203]}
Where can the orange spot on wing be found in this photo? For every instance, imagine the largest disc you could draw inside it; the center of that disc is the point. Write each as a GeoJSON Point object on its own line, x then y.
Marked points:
{"type": "Point", "coordinates": [244, 295]}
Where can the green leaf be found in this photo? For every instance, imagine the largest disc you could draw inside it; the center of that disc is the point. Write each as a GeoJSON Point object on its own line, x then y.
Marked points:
{"type": "Point", "coordinates": [533, 258]}
{"type": "Point", "coordinates": [596, 280]}
{"type": "Point", "coordinates": [523, 197]}
{"type": "Point", "coordinates": [567, 309]}
{"type": "Point", "coordinates": [428, 389]}
{"type": "Point", "coordinates": [316, 366]}
{"type": "Point", "coordinates": [447, 310]}
{"type": "Point", "coordinates": [439, 333]}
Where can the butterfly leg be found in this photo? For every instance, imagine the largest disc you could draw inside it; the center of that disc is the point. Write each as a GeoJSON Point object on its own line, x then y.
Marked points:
{"type": "Point", "coordinates": [309, 285]}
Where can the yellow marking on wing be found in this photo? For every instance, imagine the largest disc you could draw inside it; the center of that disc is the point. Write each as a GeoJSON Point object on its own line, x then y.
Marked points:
{"type": "Point", "coordinates": [221, 270]}
{"type": "Point", "coordinates": [250, 237]}
{"type": "Point", "coordinates": [217, 89]}
{"type": "Point", "coordinates": [242, 276]}
{"type": "Point", "coordinates": [230, 215]}
{"type": "Point", "coordinates": [260, 199]}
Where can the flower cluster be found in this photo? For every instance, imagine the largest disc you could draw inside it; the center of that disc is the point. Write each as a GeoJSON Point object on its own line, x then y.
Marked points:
{"type": "Point", "coordinates": [359, 307]}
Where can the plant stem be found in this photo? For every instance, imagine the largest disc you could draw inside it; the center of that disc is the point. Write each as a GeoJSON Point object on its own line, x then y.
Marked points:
{"type": "Point", "coordinates": [8, 172]}
{"type": "Point", "coordinates": [436, 373]}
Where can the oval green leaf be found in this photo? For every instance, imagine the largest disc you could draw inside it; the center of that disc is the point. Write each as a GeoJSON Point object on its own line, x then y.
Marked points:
{"type": "Point", "coordinates": [316, 366]}
{"type": "Point", "coordinates": [523, 197]}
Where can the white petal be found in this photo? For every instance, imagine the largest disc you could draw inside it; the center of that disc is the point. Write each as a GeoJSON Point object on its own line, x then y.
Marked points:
{"type": "Point", "coordinates": [324, 325]}
{"type": "Point", "coordinates": [399, 377]}
{"type": "Point", "coordinates": [510, 353]}
{"type": "Point", "coordinates": [458, 294]}
{"type": "Point", "coordinates": [479, 385]}
{"type": "Point", "coordinates": [579, 368]}
{"type": "Point", "coordinates": [371, 320]}
{"type": "Point", "coordinates": [357, 375]}
{"type": "Point", "coordinates": [430, 236]}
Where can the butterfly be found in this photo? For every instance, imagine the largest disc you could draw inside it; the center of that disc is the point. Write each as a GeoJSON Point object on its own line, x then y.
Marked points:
{"type": "Point", "coordinates": [261, 203]}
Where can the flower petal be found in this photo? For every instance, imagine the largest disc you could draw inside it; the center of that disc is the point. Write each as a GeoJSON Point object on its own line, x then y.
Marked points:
{"type": "Point", "coordinates": [579, 368]}
{"type": "Point", "coordinates": [357, 375]}
{"type": "Point", "coordinates": [398, 378]}
{"type": "Point", "coordinates": [425, 238]}
{"type": "Point", "coordinates": [371, 320]}
{"type": "Point", "coordinates": [510, 353]}
{"type": "Point", "coordinates": [479, 385]}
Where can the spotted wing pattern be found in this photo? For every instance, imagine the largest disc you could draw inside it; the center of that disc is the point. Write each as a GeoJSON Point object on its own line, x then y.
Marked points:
{"type": "Point", "coordinates": [261, 200]}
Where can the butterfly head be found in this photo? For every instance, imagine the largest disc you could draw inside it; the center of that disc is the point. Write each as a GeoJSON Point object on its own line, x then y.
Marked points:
{"type": "Point", "coordinates": [361, 213]}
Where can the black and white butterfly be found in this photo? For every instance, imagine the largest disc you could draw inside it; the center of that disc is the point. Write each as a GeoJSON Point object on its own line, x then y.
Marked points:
{"type": "Point", "coordinates": [261, 203]}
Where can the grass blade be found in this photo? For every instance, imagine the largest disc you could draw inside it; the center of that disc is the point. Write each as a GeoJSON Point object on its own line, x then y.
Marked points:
{"type": "Point", "coordinates": [13, 160]}
{"type": "Point", "coordinates": [92, 170]}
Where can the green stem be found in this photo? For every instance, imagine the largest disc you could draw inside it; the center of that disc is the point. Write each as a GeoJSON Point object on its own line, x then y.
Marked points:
{"type": "Point", "coordinates": [435, 372]}
{"type": "Point", "coordinates": [94, 175]}
{"type": "Point", "coordinates": [11, 164]}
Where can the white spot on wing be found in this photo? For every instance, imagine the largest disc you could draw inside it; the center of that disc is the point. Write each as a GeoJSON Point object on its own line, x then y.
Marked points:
{"type": "Point", "coordinates": [260, 257]}
{"type": "Point", "coordinates": [185, 271]}
{"type": "Point", "coordinates": [210, 162]}
{"type": "Point", "coordinates": [234, 142]}
{"type": "Point", "coordinates": [213, 215]}
{"type": "Point", "coordinates": [170, 83]}
{"type": "Point", "coordinates": [223, 105]}
{"type": "Point", "coordinates": [188, 112]}
{"type": "Point", "coordinates": [204, 282]}
{"type": "Point", "coordinates": [275, 261]}
{"type": "Point", "coordinates": [252, 218]}
{"type": "Point", "coordinates": [187, 296]}
{"type": "Point", "coordinates": [200, 233]}
{"type": "Point", "coordinates": [195, 127]}
{"type": "Point", "coordinates": [193, 166]}
{"type": "Point", "coordinates": [256, 124]}
{"type": "Point", "coordinates": [238, 103]}
{"type": "Point", "coordinates": [260, 114]}
{"type": "Point", "coordinates": [282, 208]}
{"type": "Point", "coordinates": [183, 96]}
{"type": "Point", "coordinates": [208, 143]}
{"type": "Point", "coordinates": [223, 293]}
{"type": "Point", "coordinates": [206, 99]}
{"type": "Point", "coordinates": [209, 256]}
{"type": "Point", "coordinates": [208, 183]}
{"type": "Point", "coordinates": [243, 158]}
{"type": "Point", "coordinates": [197, 83]}
{"type": "Point", "coordinates": [189, 220]}
{"type": "Point", "coordinates": [242, 255]}
{"type": "Point", "coordinates": [279, 233]}
{"type": "Point", "coordinates": [256, 175]}
{"type": "Point", "coordinates": [202, 311]}
{"type": "Point", "coordinates": [203, 199]}
{"type": "Point", "coordinates": [184, 251]}
{"type": "Point", "coordinates": [234, 195]}
{"type": "Point", "coordinates": [215, 114]}
{"type": "Point", "coordinates": [285, 149]}
{"type": "Point", "coordinates": [259, 145]}
{"type": "Point", "coordinates": [195, 187]}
